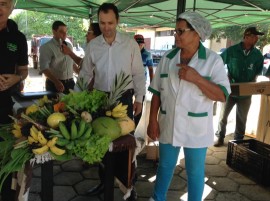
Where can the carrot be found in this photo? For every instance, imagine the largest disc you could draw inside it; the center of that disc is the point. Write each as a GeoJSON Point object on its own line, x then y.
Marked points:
{"type": "Point", "coordinates": [58, 107]}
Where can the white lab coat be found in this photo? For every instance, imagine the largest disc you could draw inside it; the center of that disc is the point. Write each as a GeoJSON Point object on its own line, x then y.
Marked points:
{"type": "Point", "coordinates": [186, 114]}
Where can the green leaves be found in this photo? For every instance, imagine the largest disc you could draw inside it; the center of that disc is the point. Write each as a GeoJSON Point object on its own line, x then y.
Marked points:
{"type": "Point", "coordinates": [19, 158]}
{"type": "Point", "coordinates": [94, 150]}
{"type": "Point", "coordinates": [85, 101]}
{"type": "Point", "coordinates": [121, 81]}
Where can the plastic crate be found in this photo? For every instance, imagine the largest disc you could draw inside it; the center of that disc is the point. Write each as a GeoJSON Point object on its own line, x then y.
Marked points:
{"type": "Point", "coordinates": [251, 158]}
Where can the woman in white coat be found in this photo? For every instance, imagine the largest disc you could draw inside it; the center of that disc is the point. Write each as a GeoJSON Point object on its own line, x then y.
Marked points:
{"type": "Point", "coordinates": [187, 81]}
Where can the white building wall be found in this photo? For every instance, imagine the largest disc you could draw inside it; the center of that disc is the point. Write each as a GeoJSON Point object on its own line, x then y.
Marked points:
{"type": "Point", "coordinates": [148, 33]}
{"type": "Point", "coordinates": [167, 42]}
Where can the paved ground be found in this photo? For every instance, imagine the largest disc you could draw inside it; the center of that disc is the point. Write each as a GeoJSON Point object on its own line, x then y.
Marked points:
{"type": "Point", "coordinates": [72, 179]}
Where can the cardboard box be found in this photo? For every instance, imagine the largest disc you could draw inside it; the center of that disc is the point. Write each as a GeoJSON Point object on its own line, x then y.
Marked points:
{"type": "Point", "coordinates": [263, 127]}
{"type": "Point", "coordinates": [249, 88]}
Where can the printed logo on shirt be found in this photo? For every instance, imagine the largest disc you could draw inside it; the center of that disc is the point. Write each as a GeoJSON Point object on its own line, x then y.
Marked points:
{"type": "Point", "coordinates": [12, 47]}
{"type": "Point", "coordinates": [250, 67]}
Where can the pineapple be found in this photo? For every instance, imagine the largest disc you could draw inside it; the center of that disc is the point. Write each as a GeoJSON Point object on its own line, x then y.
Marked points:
{"type": "Point", "coordinates": [120, 82]}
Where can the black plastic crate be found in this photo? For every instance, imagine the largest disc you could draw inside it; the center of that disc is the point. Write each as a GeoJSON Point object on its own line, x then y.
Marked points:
{"type": "Point", "coordinates": [251, 158]}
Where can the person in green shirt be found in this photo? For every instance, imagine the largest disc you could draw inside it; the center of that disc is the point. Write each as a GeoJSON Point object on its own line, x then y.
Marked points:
{"type": "Point", "coordinates": [244, 62]}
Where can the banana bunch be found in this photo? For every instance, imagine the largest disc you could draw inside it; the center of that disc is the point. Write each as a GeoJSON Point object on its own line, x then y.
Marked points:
{"type": "Point", "coordinates": [36, 136]}
{"type": "Point", "coordinates": [31, 109]}
{"type": "Point", "coordinates": [77, 134]}
{"type": "Point", "coordinates": [43, 100]}
{"type": "Point", "coordinates": [17, 130]}
{"type": "Point", "coordinates": [119, 111]}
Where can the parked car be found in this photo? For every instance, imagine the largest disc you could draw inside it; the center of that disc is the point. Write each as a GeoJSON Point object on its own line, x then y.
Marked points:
{"type": "Point", "coordinates": [39, 40]}
{"type": "Point", "coordinates": [78, 51]}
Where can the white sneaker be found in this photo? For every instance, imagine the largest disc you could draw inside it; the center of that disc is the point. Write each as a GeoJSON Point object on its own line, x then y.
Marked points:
{"type": "Point", "coordinates": [151, 199]}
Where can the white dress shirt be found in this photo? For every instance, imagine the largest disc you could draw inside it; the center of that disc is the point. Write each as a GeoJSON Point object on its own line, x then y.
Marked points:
{"type": "Point", "coordinates": [108, 60]}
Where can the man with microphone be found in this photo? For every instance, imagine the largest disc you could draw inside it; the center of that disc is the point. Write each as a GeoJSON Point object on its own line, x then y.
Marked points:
{"type": "Point", "coordinates": [56, 66]}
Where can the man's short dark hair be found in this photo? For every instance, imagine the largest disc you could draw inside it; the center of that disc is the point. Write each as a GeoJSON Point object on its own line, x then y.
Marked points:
{"type": "Point", "coordinates": [105, 7]}
{"type": "Point", "coordinates": [57, 24]}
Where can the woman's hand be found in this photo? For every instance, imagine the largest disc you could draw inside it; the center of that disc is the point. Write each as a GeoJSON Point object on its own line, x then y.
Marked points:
{"type": "Point", "coordinates": [153, 130]}
{"type": "Point", "coordinates": [188, 73]}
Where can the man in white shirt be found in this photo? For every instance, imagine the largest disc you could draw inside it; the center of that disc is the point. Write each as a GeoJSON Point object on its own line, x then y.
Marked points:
{"type": "Point", "coordinates": [109, 54]}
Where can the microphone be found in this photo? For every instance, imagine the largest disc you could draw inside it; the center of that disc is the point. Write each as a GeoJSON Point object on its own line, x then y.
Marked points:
{"type": "Point", "coordinates": [61, 43]}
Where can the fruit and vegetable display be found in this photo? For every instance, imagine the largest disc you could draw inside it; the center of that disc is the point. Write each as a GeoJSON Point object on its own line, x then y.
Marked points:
{"type": "Point", "coordinates": [80, 124]}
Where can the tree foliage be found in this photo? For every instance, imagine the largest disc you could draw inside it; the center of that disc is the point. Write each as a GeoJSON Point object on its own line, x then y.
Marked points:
{"type": "Point", "coordinates": [37, 23]}
{"type": "Point", "coordinates": [235, 34]}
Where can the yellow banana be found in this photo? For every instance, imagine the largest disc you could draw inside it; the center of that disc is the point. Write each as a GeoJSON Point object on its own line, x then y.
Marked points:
{"type": "Point", "coordinates": [33, 133]}
{"type": "Point", "coordinates": [17, 126]}
{"type": "Point", "coordinates": [124, 107]}
{"type": "Point", "coordinates": [108, 113]}
{"type": "Point", "coordinates": [120, 108]}
{"type": "Point", "coordinates": [117, 107]}
{"type": "Point", "coordinates": [35, 129]}
{"type": "Point", "coordinates": [57, 151]}
{"type": "Point", "coordinates": [31, 140]}
{"type": "Point", "coordinates": [31, 109]}
{"type": "Point", "coordinates": [43, 100]}
{"type": "Point", "coordinates": [17, 133]}
{"type": "Point", "coordinates": [42, 140]}
{"type": "Point", "coordinates": [119, 114]}
{"type": "Point", "coordinates": [40, 150]}
{"type": "Point", "coordinates": [52, 142]}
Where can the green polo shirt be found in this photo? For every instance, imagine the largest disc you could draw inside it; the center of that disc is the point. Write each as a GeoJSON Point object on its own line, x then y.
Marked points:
{"type": "Point", "coordinates": [242, 67]}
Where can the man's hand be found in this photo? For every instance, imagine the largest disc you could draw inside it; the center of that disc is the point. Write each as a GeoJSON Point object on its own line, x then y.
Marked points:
{"type": "Point", "coordinates": [59, 86]}
{"type": "Point", "coordinates": [66, 50]}
{"type": "Point", "coordinates": [137, 108]}
{"type": "Point", "coordinates": [8, 80]}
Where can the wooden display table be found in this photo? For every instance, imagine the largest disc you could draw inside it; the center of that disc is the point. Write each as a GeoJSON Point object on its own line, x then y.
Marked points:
{"type": "Point", "coordinates": [118, 163]}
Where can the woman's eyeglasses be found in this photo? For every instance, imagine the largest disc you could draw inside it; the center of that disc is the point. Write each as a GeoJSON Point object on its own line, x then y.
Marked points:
{"type": "Point", "coordinates": [90, 32]}
{"type": "Point", "coordinates": [179, 32]}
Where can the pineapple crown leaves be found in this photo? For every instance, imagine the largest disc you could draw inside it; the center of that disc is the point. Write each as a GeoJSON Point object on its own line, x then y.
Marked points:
{"type": "Point", "coordinates": [81, 84]}
{"type": "Point", "coordinates": [121, 81]}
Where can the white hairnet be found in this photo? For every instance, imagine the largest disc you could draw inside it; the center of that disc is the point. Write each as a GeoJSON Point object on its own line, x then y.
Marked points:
{"type": "Point", "coordinates": [199, 23]}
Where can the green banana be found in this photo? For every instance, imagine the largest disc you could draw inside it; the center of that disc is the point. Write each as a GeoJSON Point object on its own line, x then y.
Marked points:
{"type": "Point", "coordinates": [64, 130]}
{"type": "Point", "coordinates": [74, 130]}
{"type": "Point", "coordinates": [62, 142]}
{"type": "Point", "coordinates": [70, 145]}
{"type": "Point", "coordinates": [87, 133]}
{"type": "Point", "coordinates": [82, 128]}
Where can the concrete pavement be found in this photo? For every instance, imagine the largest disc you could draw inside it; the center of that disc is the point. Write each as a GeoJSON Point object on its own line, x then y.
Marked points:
{"type": "Point", "coordinates": [72, 180]}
